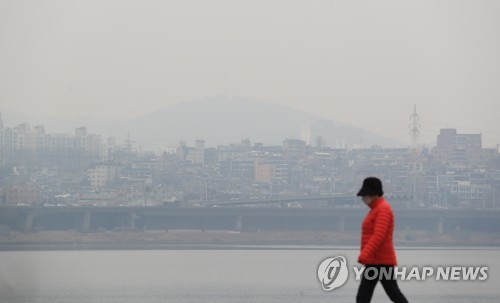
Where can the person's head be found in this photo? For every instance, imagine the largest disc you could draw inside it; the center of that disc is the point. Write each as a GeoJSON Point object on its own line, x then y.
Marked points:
{"type": "Point", "coordinates": [371, 190]}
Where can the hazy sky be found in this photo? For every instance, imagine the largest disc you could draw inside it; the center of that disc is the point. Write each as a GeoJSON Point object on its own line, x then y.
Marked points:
{"type": "Point", "coordinates": [361, 62]}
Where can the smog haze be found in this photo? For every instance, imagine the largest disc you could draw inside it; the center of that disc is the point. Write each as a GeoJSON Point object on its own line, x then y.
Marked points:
{"type": "Point", "coordinates": [365, 64]}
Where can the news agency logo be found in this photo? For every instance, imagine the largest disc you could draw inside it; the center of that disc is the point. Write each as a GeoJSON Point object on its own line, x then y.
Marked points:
{"type": "Point", "coordinates": [333, 273]}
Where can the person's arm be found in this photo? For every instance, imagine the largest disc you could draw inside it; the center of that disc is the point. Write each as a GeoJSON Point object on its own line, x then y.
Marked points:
{"type": "Point", "coordinates": [382, 221]}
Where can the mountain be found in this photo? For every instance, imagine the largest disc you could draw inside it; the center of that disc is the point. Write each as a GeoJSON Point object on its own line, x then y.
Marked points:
{"type": "Point", "coordinates": [218, 120]}
{"type": "Point", "coordinates": [224, 120]}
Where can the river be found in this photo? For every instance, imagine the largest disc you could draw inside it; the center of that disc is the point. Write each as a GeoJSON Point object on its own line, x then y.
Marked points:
{"type": "Point", "coordinates": [223, 275]}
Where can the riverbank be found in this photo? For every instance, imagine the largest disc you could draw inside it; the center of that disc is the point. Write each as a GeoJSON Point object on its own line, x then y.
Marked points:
{"type": "Point", "coordinates": [212, 239]}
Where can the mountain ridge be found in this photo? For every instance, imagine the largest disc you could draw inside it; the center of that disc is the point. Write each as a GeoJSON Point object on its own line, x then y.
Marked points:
{"type": "Point", "coordinates": [217, 120]}
{"type": "Point", "coordinates": [225, 120]}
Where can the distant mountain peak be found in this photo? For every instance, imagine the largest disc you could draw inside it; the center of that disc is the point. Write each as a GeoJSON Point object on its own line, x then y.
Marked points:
{"type": "Point", "coordinates": [227, 119]}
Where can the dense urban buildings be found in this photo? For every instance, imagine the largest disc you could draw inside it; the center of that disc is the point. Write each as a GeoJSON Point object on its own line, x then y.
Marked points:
{"type": "Point", "coordinates": [38, 168]}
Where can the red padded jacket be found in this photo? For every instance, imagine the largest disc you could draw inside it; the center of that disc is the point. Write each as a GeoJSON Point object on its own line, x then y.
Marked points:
{"type": "Point", "coordinates": [376, 237]}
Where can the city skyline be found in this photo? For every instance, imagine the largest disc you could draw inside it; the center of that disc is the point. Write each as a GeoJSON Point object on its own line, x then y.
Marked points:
{"type": "Point", "coordinates": [32, 160]}
{"type": "Point", "coordinates": [128, 127]}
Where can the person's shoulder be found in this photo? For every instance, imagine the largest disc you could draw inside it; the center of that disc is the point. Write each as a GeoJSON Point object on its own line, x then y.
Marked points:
{"type": "Point", "coordinates": [385, 206]}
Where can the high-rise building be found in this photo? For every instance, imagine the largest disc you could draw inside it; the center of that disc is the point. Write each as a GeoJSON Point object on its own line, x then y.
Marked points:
{"type": "Point", "coordinates": [293, 145]}
{"type": "Point", "coordinates": [199, 152]}
{"type": "Point", "coordinates": [448, 138]}
{"type": "Point", "coordinates": [269, 170]}
{"type": "Point", "coordinates": [102, 175]}
{"type": "Point", "coordinates": [457, 148]}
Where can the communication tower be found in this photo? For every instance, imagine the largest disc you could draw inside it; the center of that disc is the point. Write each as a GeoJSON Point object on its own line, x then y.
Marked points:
{"type": "Point", "coordinates": [415, 158]}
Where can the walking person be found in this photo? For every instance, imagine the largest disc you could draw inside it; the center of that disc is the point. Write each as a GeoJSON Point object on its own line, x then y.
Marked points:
{"type": "Point", "coordinates": [377, 248]}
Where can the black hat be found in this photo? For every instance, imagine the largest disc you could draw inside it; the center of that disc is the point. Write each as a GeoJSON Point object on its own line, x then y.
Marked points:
{"type": "Point", "coordinates": [371, 187]}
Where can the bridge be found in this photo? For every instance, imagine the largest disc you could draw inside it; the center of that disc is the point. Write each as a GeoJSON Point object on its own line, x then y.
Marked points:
{"type": "Point", "coordinates": [328, 200]}
{"type": "Point", "coordinates": [236, 217]}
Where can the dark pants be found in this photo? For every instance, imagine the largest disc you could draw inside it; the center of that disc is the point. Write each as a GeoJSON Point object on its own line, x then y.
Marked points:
{"type": "Point", "coordinates": [367, 286]}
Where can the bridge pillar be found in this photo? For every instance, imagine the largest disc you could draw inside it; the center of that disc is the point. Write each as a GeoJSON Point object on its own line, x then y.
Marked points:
{"type": "Point", "coordinates": [86, 221]}
{"type": "Point", "coordinates": [440, 225]}
{"type": "Point", "coordinates": [341, 224]}
{"type": "Point", "coordinates": [133, 218]}
{"type": "Point", "coordinates": [238, 222]}
{"type": "Point", "coordinates": [28, 225]}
